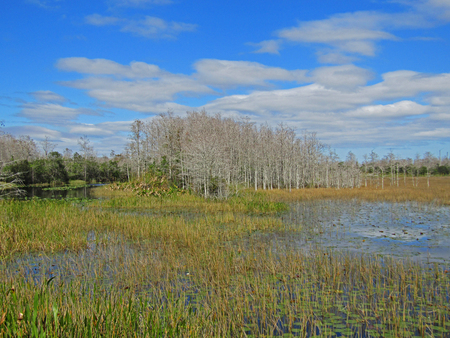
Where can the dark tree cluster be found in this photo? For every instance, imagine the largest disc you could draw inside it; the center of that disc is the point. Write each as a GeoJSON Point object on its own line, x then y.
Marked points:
{"type": "Point", "coordinates": [23, 162]}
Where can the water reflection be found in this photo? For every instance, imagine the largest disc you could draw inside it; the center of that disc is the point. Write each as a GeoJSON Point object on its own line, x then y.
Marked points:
{"type": "Point", "coordinates": [81, 192]}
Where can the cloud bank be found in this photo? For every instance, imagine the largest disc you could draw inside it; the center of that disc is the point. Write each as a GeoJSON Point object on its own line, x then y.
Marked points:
{"type": "Point", "coordinates": [338, 102]}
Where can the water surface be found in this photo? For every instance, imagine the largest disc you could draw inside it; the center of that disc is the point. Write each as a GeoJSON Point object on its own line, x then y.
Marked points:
{"type": "Point", "coordinates": [82, 192]}
{"type": "Point", "coordinates": [404, 230]}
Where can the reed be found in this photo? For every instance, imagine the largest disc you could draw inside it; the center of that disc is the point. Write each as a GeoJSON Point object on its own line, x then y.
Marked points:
{"type": "Point", "coordinates": [184, 266]}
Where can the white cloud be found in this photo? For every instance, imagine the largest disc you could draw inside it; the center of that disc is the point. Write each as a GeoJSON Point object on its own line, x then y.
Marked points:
{"type": "Point", "coordinates": [152, 27]}
{"type": "Point", "coordinates": [404, 83]}
{"type": "Point", "coordinates": [52, 113]}
{"type": "Point", "coordinates": [435, 8]}
{"type": "Point", "coordinates": [108, 67]}
{"type": "Point", "coordinates": [334, 101]}
{"type": "Point", "coordinates": [100, 20]}
{"type": "Point", "coordinates": [48, 96]}
{"type": "Point", "coordinates": [139, 95]}
{"type": "Point", "coordinates": [330, 32]}
{"type": "Point", "coordinates": [47, 4]}
{"type": "Point", "coordinates": [90, 129]}
{"type": "Point", "coordinates": [148, 90]}
{"type": "Point", "coordinates": [435, 133]}
{"type": "Point", "coordinates": [441, 116]}
{"type": "Point", "coordinates": [395, 110]}
{"type": "Point", "coordinates": [326, 94]}
{"type": "Point", "coordinates": [334, 57]}
{"type": "Point", "coordinates": [290, 101]}
{"type": "Point", "coordinates": [149, 27]}
{"type": "Point", "coordinates": [342, 37]}
{"type": "Point", "coordinates": [343, 77]}
{"type": "Point", "coordinates": [440, 100]}
{"type": "Point", "coordinates": [35, 132]}
{"type": "Point", "coordinates": [342, 116]}
{"type": "Point", "coordinates": [353, 33]}
{"type": "Point", "coordinates": [267, 46]}
{"type": "Point", "coordinates": [223, 73]}
{"type": "Point", "coordinates": [101, 129]}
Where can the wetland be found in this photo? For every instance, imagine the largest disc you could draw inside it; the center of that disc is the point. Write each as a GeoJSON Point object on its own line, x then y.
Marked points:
{"type": "Point", "coordinates": [312, 262]}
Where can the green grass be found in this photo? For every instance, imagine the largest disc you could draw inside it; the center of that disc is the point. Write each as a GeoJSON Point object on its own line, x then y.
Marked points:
{"type": "Point", "coordinates": [77, 182]}
{"type": "Point", "coordinates": [183, 266]}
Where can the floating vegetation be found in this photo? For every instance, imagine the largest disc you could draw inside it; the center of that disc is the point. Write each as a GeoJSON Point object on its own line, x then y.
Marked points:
{"type": "Point", "coordinates": [67, 187]}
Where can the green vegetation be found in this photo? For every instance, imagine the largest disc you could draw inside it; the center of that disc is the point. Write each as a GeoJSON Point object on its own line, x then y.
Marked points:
{"type": "Point", "coordinates": [68, 187]}
{"type": "Point", "coordinates": [180, 265]}
{"type": "Point", "coordinates": [56, 170]}
{"type": "Point", "coordinates": [149, 185]}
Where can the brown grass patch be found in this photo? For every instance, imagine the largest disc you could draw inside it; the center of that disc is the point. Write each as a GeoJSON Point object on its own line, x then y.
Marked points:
{"type": "Point", "coordinates": [438, 192]}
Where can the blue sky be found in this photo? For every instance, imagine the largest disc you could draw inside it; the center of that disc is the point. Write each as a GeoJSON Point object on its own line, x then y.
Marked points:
{"type": "Point", "coordinates": [363, 75]}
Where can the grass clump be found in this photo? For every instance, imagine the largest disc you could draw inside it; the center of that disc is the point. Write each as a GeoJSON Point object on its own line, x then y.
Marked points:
{"type": "Point", "coordinates": [149, 185]}
{"type": "Point", "coordinates": [246, 202]}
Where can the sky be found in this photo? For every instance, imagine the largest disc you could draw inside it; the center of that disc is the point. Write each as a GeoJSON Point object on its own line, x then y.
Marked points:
{"type": "Point", "coordinates": [363, 75]}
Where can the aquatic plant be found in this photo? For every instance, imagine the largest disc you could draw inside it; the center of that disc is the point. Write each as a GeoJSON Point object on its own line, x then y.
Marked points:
{"type": "Point", "coordinates": [183, 266]}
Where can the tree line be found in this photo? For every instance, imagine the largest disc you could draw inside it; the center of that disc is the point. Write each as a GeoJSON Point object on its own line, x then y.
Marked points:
{"type": "Point", "coordinates": [212, 155]}
{"type": "Point", "coordinates": [24, 160]}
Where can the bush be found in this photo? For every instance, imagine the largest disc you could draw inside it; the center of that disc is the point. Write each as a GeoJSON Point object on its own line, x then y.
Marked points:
{"type": "Point", "coordinates": [149, 185]}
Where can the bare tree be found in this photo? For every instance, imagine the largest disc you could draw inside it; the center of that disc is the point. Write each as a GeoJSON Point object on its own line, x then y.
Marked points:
{"type": "Point", "coordinates": [135, 145]}
{"type": "Point", "coordinates": [9, 182]}
{"type": "Point", "coordinates": [87, 151]}
{"type": "Point", "coordinates": [67, 154]}
{"type": "Point", "coordinates": [429, 161]}
{"type": "Point", "coordinates": [209, 154]}
{"type": "Point", "coordinates": [47, 146]}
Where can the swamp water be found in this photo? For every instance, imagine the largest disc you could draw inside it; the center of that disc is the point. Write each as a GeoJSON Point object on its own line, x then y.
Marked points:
{"type": "Point", "coordinates": [61, 192]}
{"type": "Point", "coordinates": [283, 304]}
{"type": "Point", "coordinates": [410, 230]}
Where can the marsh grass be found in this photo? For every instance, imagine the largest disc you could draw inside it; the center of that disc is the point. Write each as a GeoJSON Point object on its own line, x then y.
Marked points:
{"type": "Point", "coordinates": [67, 187]}
{"type": "Point", "coordinates": [246, 202]}
{"type": "Point", "coordinates": [438, 192]}
{"type": "Point", "coordinates": [189, 267]}
{"type": "Point", "coordinates": [77, 183]}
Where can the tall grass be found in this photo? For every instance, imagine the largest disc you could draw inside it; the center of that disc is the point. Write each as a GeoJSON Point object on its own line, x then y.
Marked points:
{"type": "Point", "coordinates": [438, 192]}
{"type": "Point", "coordinates": [188, 267]}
